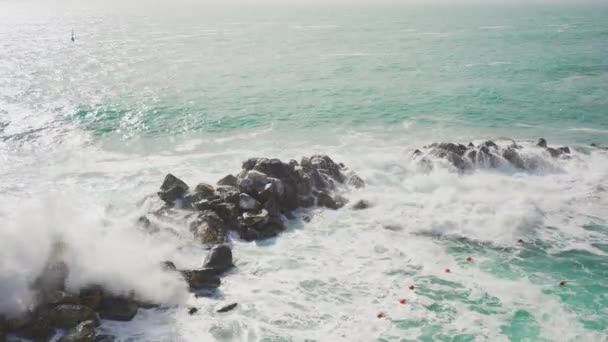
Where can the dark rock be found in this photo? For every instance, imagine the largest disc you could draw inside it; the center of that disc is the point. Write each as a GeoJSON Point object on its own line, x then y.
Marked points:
{"type": "Point", "coordinates": [361, 204]}
{"type": "Point", "coordinates": [205, 190]}
{"type": "Point", "coordinates": [172, 189]}
{"type": "Point", "coordinates": [91, 296]}
{"type": "Point", "coordinates": [35, 326]}
{"type": "Point", "coordinates": [202, 205]}
{"type": "Point", "coordinates": [514, 158]}
{"type": "Point", "coordinates": [306, 219]}
{"type": "Point", "coordinates": [553, 152]}
{"type": "Point", "coordinates": [272, 168]}
{"type": "Point", "coordinates": [227, 308]}
{"type": "Point", "coordinates": [192, 311]}
{"type": "Point", "coordinates": [228, 194]}
{"type": "Point", "coordinates": [229, 180]}
{"type": "Point", "coordinates": [58, 297]}
{"type": "Point", "coordinates": [470, 145]}
{"type": "Point", "coordinates": [210, 228]}
{"type": "Point", "coordinates": [416, 153]}
{"type": "Point", "coordinates": [67, 316]}
{"type": "Point", "coordinates": [472, 155]}
{"type": "Point", "coordinates": [117, 309]}
{"type": "Point", "coordinates": [144, 221]}
{"type": "Point", "coordinates": [564, 149]}
{"type": "Point", "coordinates": [306, 201]}
{"type": "Point", "coordinates": [457, 149]}
{"type": "Point", "coordinates": [542, 143]}
{"type": "Point", "coordinates": [219, 258]}
{"type": "Point", "coordinates": [255, 217]}
{"type": "Point", "coordinates": [249, 164]}
{"type": "Point", "coordinates": [356, 181]}
{"type": "Point", "coordinates": [83, 332]}
{"type": "Point", "coordinates": [247, 202]}
{"type": "Point", "coordinates": [249, 234]}
{"type": "Point", "coordinates": [229, 213]}
{"type": "Point", "coordinates": [105, 338]}
{"type": "Point", "coordinates": [325, 200]}
{"type": "Point", "coordinates": [168, 266]}
{"type": "Point", "coordinates": [457, 161]}
{"type": "Point", "coordinates": [201, 279]}
{"type": "Point", "coordinates": [490, 144]}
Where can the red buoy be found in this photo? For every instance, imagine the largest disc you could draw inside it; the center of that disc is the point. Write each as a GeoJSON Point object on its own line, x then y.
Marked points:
{"type": "Point", "coordinates": [380, 315]}
{"type": "Point", "coordinates": [469, 259]}
{"type": "Point", "coordinates": [402, 301]}
{"type": "Point", "coordinates": [447, 270]}
{"type": "Point", "coordinates": [411, 287]}
{"type": "Point", "coordinates": [562, 283]}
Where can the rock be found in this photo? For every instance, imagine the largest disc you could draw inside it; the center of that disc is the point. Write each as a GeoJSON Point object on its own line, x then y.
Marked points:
{"type": "Point", "coordinates": [553, 152]}
{"type": "Point", "coordinates": [253, 182]}
{"type": "Point", "coordinates": [117, 309]}
{"type": "Point", "coordinates": [471, 145]}
{"type": "Point", "coordinates": [219, 259]}
{"type": "Point", "coordinates": [564, 149]}
{"type": "Point", "coordinates": [542, 143]}
{"type": "Point", "coordinates": [306, 219]}
{"type": "Point", "coordinates": [229, 180]}
{"type": "Point", "coordinates": [356, 181]}
{"type": "Point", "coordinates": [325, 200]}
{"type": "Point", "coordinates": [59, 297]}
{"type": "Point", "coordinates": [306, 201]}
{"type": "Point", "coordinates": [202, 205]}
{"type": "Point", "coordinates": [205, 190]}
{"type": "Point", "coordinates": [67, 316]}
{"type": "Point", "coordinates": [361, 204]}
{"type": "Point", "coordinates": [255, 217]}
{"type": "Point", "coordinates": [457, 149]}
{"type": "Point", "coordinates": [34, 326]}
{"type": "Point", "coordinates": [247, 202]}
{"type": "Point", "coordinates": [489, 144]}
{"type": "Point", "coordinates": [228, 194]}
{"type": "Point", "coordinates": [416, 153]}
{"type": "Point", "coordinates": [168, 266]}
{"type": "Point", "coordinates": [249, 164]}
{"type": "Point", "coordinates": [514, 158]}
{"type": "Point", "coordinates": [172, 189]}
{"type": "Point", "coordinates": [192, 311]}
{"type": "Point", "coordinates": [105, 338]}
{"type": "Point", "coordinates": [227, 308]}
{"type": "Point", "coordinates": [229, 214]}
{"type": "Point", "coordinates": [210, 228]}
{"type": "Point", "coordinates": [91, 296]}
{"type": "Point", "coordinates": [272, 167]}
{"type": "Point", "coordinates": [83, 332]}
{"type": "Point", "coordinates": [201, 279]}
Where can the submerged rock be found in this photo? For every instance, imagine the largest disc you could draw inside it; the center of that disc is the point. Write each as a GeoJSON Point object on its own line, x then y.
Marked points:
{"type": "Point", "coordinates": [361, 204]}
{"type": "Point", "coordinates": [83, 332]}
{"type": "Point", "coordinates": [219, 259]}
{"type": "Point", "coordinates": [117, 309]}
{"type": "Point", "coordinates": [542, 143]}
{"type": "Point", "coordinates": [66, 316]}
{"type": "Point", "coordinates": [227, 308]}
{"type": "Point", "coordinates": [201, 279]}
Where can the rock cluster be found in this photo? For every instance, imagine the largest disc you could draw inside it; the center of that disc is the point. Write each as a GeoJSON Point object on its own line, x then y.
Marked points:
{"type": "Point", "coordinates": [485, 155]}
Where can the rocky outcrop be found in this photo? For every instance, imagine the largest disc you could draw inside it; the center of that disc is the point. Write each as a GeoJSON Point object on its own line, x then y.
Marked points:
{"type": "Point", "coordinates": [65, 316]}
{"type": "Point", "coordinates": [83, 332]}
{"type": "Point", "coordinates": [219, 259]}
{"type": "Point", "coordinates": [117, 309]}
{"type": "Point", "coordinates": [485, 155]}
{"type": "Point", "coordinates": [172, 189]}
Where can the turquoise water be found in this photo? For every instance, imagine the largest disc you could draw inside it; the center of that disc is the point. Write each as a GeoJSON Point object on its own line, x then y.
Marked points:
{"type": "Point", "coordinates": [197, 89]}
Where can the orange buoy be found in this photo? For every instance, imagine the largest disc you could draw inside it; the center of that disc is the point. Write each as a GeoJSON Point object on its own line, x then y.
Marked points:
{"type": "Point", "coordinates": [411, 287]}
{"type": "Point", "coordinates": [402, 301]}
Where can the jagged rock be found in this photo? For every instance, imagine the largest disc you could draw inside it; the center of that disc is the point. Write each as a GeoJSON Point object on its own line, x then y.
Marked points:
{"type": "Point", "coordinates": [229, 180]}
{"type": "Point", "coordinates": [416, 153]}
{"type": "Point", "coordinates": [202, 205]}
{"type": "Point", "coordinates": [210, 228]}
{"type": "Point", "coordinates": [91, 296]}
{"type": "Point", "coordinates": [553, 152]}
{"type": "Point", "coordinates": [58, 297]}
{"type": "Point", "coordinates": [542, 143]}
{"type": "Point", "coordinates": [204, 190]}
{"type": "Point", "coordinates": [83, 332]}
{"type": "Point", "coordinates": [356, 181]}
{"type": "Point", "coordinates": [457, 149]}
{"type": "Point", "coordinates": [247, 202]}
{"type": "Point", "coordinates": [192, 311]}
{"type": "Point", "coordinates": [201, 279]}
{"type": "Point", "coordinates": [105, 338]}
{"type": "Point", "coordinates": [361, 204]}
{"type": "Point", "coordinates": [471, 145]}
{"type": "Point", "coordinates": [117, 309]}
{"type": "Point", "coordinates": [564, 149]}
{"type": "Point", "coordinates": [228, 194]}
{"type": "Point", "coordinates": [219, 259]}
{"type": "Point", "coordinates": [272, 167]}
{"type": "Point", "coordinates": [514, 158]}
{"type": "Point", "coordinates": [227, 308]}
{"type": "Point", "coordinates": [255, 217]}
{"type": "Point", "coordinates": [249, 164]}
{"type": "Point", "coordinates": [229, 213]}
{"type": "Point", "coordinates": [66, 316]}
{"type": "Point", "coordinates": [34, 326]}
{"type": "Point", "coordinates": [489, 144]}
{"type": "Point", "coordinates": [172, 189]}
{"type": "Point", "coordinates": [325, 200]}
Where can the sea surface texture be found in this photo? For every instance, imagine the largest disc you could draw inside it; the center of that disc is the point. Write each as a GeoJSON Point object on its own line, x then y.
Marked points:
{"type": "Point", "coordinates": [88, 130]}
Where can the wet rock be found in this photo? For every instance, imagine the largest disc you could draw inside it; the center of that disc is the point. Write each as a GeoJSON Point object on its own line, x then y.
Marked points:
{"type": "Point", "coordinates": [514, 158]}
{"type": "Point", "coordinates": [306, 219]}
{"type": "Point", "coordinates": [201, 279]}
{"type": "Point", "coordinates": [253, 182]}
{"type": "Point", "coordinates": [229, 180]}
{"type": "Point", "coordinates": [172, 189]}
{"type": "Point", "coordinates": [564, 149]}
{"type": "Point", "coordinates": [34, 326]}
{"type": "Point", "coordinates": [272, 167]}
{"type": "Point", "coordinates": [457, 149]}
{"type": "Point", "coordinates": [249, 164]}
{"type": "Point", "coordinates": [553, 152]}
{"type": "Point", "coordinates": [542, 143]}
{"type": "Point", "coordinates": [306, 201]}
{"type": "Point", "coordinates": [83, 332]}
{"type": "Point", "coordinates": [192, 311]}
{"type": "Point", "coordinates": [210, 228]}
{"type": "Point", "coordinates": [227, 308]}
{"type": "Point", "coordinates": [219, 259]}
{"type": "Point", "coordinates": [117, 309]}
{"type": "Point", "coordinates": [255, 217]}
{"type": "Point", "coordinates": [91, 296]}
{"type": "Point", "coordinates": [66, 316]}
{"type": "Point", "coordinates": [416, 153]}
{"type": "Point", "coordinates": [228, 194]}
{"type": "Point", "coordinates": [489, 144]}
{"type": "Point", "coordinates": [202, 205]}
{"type": "Point", "coordinates": [361, 204]}
{"type": "Point", "coordinates": [229, 214]}
{"type": "Point", "coordinates": [470, 145]}
{"type": "Point", "coordinates": [205, 190]}
{"type": "Point", "coordinates": [105, 338]}
{"type": "Point", "coordinates": [356, 181]}
{"type": "Point", "coordinates": [325, 200]}
{"type": "Point", "coordinates": [247, 202]}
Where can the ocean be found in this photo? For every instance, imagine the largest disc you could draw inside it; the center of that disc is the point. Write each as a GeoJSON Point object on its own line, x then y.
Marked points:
{"type": "Point", "coordinates": [88, 130]}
